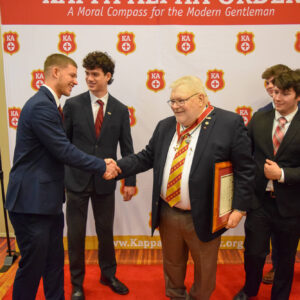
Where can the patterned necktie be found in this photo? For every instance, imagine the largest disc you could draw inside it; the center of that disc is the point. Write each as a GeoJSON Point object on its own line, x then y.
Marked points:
{"type": "Point", "coordinates": [278, 134]}
{"type": "Point", "coordinates": [99, 119]}
{"type": "Point", "coordinates": [60, 111]}
{"type": "Point", "coordinates": [174, 182]}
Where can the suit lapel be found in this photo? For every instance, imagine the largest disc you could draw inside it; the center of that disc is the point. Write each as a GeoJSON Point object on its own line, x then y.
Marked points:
{"type": "Point", "coordinates": [168, 136]}
{"type": "Point", "coordinates": [291, 132]}
{"type": "Point", "coordinates": [267, 126]}
{"type": "Point", "coordinates": [88, 113]}
{"type": "Point", "coordinates": [205, 132]}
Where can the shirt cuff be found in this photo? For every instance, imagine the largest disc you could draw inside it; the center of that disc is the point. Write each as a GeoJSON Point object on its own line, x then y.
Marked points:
{"type": "Point", "coordinates": [281, 179]}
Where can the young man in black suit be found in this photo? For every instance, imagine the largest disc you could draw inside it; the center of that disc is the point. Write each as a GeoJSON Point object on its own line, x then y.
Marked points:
{"type": "Point", "coordinates": [275, 136]}
{"type": "Point", "coordinates": [96, 123]}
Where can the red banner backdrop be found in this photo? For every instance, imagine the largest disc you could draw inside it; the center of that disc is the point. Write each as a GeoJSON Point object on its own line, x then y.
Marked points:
{"type": "Point", "coordinates": [150, 12]}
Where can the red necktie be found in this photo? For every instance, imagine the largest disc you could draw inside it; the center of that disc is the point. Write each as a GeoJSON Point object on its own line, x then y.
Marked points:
{"type": "Point", "coordinates": [60, 111]}
{"type": "Point", "coordinates": [99, 119]}
{"type": "Point", "coordinates": [279, 133]}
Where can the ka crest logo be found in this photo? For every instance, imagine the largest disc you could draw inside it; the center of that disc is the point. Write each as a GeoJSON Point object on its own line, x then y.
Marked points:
{"type": "Point", "coordinates": [38, 79]}
{"type": "Point", "coordinates": [122, 181]}
{"type": "Point", "coordinates": [13, 116]}
{"type": "Point", "coordinates": [215, 81]}
{"type": "Point", "coordinates": [185, 43]}
{"type": "Point", "coordinates": [126, 42]}
{"type": "Point", "coordinates": [245, 43]}
{"type": "Point", "coordinates": [297, 43]}
{"type": "Point", "coordinates": [132, 116]}
{"type": "Point", "coordinates": [10, 42]}
{"type": "Point", "coordinates": [67, 42]}
{"type": "Point", "coordinates": [155, 80]}
{"type": "Point", "coordinates": [245, 112]}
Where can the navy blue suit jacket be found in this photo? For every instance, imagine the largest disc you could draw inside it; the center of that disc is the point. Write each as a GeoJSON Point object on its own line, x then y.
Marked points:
{"type": "Point", "coordinates": [222, 138]}
{"type": "Point", "coordinates": [36, 183]}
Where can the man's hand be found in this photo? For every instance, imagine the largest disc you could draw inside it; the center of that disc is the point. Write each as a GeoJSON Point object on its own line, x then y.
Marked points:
{"type": "Point", "coordinates": [272, 170]}
{"type": "Point", "coordinates": [112, 170]}
{"type": "Point", "coordinates": [129, 192]}
{"type": "Point", "coordinates": [234, 219]}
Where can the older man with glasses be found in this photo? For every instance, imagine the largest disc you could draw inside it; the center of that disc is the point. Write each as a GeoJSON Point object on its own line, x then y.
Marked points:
{"type": "Point", "coordinates": [182, 152]}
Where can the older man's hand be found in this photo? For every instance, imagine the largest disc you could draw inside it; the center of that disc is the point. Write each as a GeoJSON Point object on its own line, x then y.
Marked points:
{"type": "Point", "coordinates": [234, 219]}
{"type": "Point", "coordinates": [112, 170]}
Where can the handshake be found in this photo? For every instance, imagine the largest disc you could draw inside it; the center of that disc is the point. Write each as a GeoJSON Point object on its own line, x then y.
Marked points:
{"type": "Point", "coordinates": [112, 169]}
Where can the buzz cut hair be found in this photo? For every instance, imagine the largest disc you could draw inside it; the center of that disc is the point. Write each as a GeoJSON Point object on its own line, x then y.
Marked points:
{"type": "Point", "coordinates": [59, 60]}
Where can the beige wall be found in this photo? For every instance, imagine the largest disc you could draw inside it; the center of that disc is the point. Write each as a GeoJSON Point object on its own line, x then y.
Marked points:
{"type": "Point", "coordinates": [3, 140]}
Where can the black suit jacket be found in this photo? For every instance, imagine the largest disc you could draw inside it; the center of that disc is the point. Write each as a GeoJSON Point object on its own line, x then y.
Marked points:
{"type": "Point", "coordinates": [287, 157]}
{"type": "Point", "coordinates": [36, 182]}
{"type": "Point", "coordinates": [80, 129]}
{"type": "Point", "coordinates": [224, 138]}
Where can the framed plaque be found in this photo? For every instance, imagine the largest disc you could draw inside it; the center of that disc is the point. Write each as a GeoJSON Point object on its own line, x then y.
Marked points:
{"type": "Point", "coordinates": [222, 194]}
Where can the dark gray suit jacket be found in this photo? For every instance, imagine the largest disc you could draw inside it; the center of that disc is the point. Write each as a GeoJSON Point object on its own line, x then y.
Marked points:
{"type": "Point", "coordinates": [80, 129]}
{"type": "Point", "coordinates": [287, 157]}
{"type": "Point", "coordinates": [224, 138]}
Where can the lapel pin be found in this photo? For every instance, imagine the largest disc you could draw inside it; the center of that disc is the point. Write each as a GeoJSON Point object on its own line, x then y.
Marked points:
{"type": "Point", "coordinates": [109, 113]}
{"type": "Point", "coordinates": [206, 123]}
{"type": "Point", "coordinates": [208, 118]}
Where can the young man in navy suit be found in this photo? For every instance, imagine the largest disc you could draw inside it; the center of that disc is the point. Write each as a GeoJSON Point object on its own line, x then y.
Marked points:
{"type": "Point", "coordinates": [81, 116]}
{"type": "Point", "coordinates": [275, 137]}
{"type": "Point", "coordinates": [35, 192]}
{"type": "Point", "coordinates": [187, 146]}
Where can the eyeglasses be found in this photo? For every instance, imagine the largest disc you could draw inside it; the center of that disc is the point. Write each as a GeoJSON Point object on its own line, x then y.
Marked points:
{"type": "Point", "coordinates": [180, 102]}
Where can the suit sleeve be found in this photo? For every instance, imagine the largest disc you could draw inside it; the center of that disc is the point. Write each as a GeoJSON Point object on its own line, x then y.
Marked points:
{"type": "Point", "coordinates": [140, 162]}
{"type": "Point", "coordinates": [47, 126]}
{"type": "Point", "coordinates": [243, 167]}
{"type": "Point", "coordinates": [126, 144]}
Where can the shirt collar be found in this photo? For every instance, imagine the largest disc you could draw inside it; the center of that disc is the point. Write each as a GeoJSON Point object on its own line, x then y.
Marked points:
{"type": "Point", "coordinates": [288, 117]}
{"type": "Point", "coordinates": [94, 98]}
{"type": "Point", "coordinates": [53, 94]}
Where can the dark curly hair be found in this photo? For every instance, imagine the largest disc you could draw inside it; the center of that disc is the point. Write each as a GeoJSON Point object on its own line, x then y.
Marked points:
{"type": "Point", "coordinates": [102, 60]}
{"type": "Point", "coordinates": [288, 80]}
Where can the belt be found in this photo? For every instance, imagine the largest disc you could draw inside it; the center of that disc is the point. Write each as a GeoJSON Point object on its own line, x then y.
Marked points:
{"type": "Point", "coordinates": [185, 211]}
{"type": "Point", "coordinates": [270, 194]}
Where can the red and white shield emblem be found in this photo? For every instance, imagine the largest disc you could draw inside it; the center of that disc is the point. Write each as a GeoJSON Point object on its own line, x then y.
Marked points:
{"type": "Point", "coordinates": [245, 112]}
{"type": "Point", "coordinates": [185, 42]}
{"type": "Point", "coordinates": [132, 116]}
{"type": "Point", "coordinates": [245, 43]}
{"type": "Point", "coordinates": [67, 43]}
{"type": "Point", "coordinates": [10, 42]}
{"type": "Point", "coordinates": [13, 116]}
{"type": "Point", "coordinates": [297, 43]}
{"type": "Point", "coordinates": [155, 81]}
{"type": "Point", "coordinates": [126, 42]}
{"type": "Point", "coordinates": [38, 79]}
{"type": "Point", "coordinates": [215, 81]}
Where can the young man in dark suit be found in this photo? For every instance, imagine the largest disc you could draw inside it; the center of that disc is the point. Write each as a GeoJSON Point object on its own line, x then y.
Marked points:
{"type": "Point", "coordinates": [197, 136]}
{"type": "Point", "coordinates": [35, 192]}
{"type": "Point", "coordinates": [275, 136]}
{"type": "Point", "coordinates": [96, 123]}
{"type": "Point", "coordinates": [269, 75]}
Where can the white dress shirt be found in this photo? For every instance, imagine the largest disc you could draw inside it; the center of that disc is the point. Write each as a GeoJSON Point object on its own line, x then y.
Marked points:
{"type": "Point", "coordinates": [95, 105]}
{"type": "Point", "coordinates": [185, 202]}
